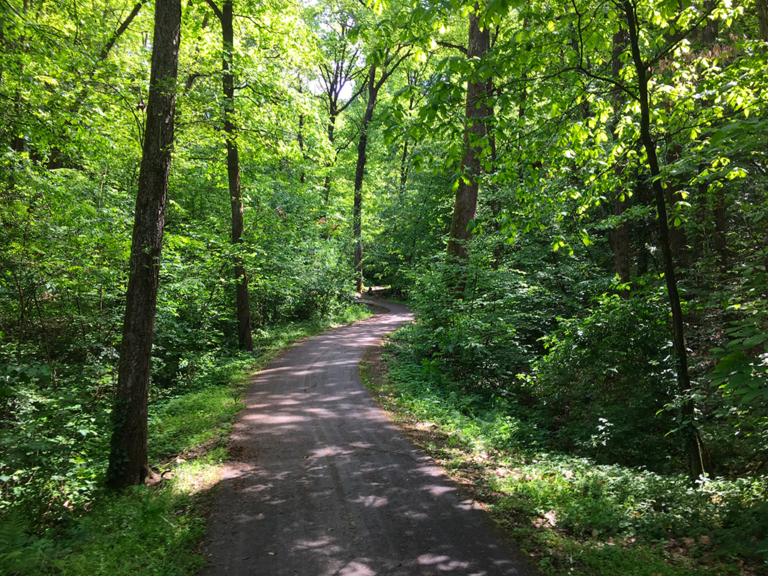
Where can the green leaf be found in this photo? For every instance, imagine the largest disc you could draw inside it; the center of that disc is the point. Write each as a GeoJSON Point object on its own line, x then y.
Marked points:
{"type": "Point", "coordinates": [755, 340]}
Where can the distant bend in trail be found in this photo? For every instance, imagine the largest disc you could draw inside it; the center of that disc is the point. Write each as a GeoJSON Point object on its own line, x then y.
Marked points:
{"type": "Point", "coordinates": [322, 484]}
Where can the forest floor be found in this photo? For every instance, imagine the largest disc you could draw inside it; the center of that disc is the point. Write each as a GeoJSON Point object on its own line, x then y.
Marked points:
{"type": "Point", "coordinates": [319, 481]}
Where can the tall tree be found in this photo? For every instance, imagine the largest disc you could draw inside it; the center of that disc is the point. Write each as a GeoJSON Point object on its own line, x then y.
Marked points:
{"type": "Point", "coordinates": [391, 60]}
{"type": "Point", "coordinates": [698, 459]}
{"type": "Point", "coordinates": [337, 73]}
{"type": "Point", "coordinates": [128, 455]}
{"type": "Point", "coordinates": [225, 16]}
{"type": "Point", "coordinates": [477, 111]}
{"type": "Point", "coordinates": [620, 234]}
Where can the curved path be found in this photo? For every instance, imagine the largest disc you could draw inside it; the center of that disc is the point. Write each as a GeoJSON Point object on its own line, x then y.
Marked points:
{"type": "Point", "coordinates": [322, 484]}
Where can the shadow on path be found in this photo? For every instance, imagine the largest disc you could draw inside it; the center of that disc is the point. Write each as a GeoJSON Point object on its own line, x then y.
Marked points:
{"type": "Point", "coordinates": [320, 483]}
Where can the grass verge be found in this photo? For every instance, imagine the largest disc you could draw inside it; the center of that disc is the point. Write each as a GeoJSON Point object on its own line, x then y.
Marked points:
{"type": "Point", "coordinates": [569, 515]}
{"type": "Point", "coordinates": [158, 529]}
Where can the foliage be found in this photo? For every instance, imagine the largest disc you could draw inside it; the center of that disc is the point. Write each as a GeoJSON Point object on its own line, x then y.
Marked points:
{"type": "Point", "coordinates": [155, 529]}
{"type": "Point", "coordinates": [582, 502]}
{"type": "Point", "coordinates": [743, 362]}
{"type": "Point", "coordinates": [606, 379]}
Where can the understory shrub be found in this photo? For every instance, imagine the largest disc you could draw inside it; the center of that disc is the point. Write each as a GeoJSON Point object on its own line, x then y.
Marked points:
{"type": "Point", "coordinates": [727, 519]}
{"type": "Point", "coordinates": [606, 379]}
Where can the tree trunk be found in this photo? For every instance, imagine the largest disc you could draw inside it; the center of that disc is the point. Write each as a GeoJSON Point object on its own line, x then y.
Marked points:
{"type": "Point", "coordinates": [697, 454]}
{"type": "Point", "coordinates": [620, 235]}
{"type": "Point", "coordinates": [362, 146]}
{"type": "Point", "coordinates": [762, 18]}
{"type": "Point", "coordinates": [404, 166]}
{"type": "Point", "coordinates": [677, 238]}
{"type": "Point", "coordinates": [128, 455]}
{"type": "Point", "coordinates": [710, 30]}
{"type": "Point", "coordinates": [476, 111]}
{"type": "Point", "coordinates": [244, 337]}
{"type": "Point", "coordinates": [721, 229]}
{"type": "Point", "coordinates": [331, 138]}
{"type": "Point", "coordinates": [303, 176]}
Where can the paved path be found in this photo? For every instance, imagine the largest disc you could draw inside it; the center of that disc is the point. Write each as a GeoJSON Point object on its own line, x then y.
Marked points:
{"type": "Point", "coordinates": [322, 484]}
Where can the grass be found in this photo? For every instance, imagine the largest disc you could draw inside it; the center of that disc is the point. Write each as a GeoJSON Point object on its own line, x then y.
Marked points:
{"type": "Point", "coordinates": [570, 515]}
{"type": "Point", "coordinates": [158, 529]}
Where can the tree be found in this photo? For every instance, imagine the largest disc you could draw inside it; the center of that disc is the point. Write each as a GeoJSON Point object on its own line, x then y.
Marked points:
{"type": "Point", "coordinates": [338, 72]}
{"type": "Point", "coordinates": [762, 18]}
{"type": "Point", "coordinates": [233, 170]}
{"type": "Point", "coordinates": [391, 60]}
{"type": "Point", "coordinates": [698, 458]}
{"type": "Point", "coordinates": [477, 113]}
{"type": "Point", "coordinates": [128, 455]}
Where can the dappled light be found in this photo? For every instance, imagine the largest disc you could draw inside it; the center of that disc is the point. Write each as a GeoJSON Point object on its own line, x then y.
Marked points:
{"type": "Point", "coordinates": [321, 483]}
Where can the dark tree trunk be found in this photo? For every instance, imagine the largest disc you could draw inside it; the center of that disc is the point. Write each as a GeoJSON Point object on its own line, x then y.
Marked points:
{"type": "Point", "coordinates": [710, 29]}
{"type": "Point", "coordinates": [762, 18]}
{"type": "Point", "coordinates": [677, 238]}
{"type": "Point", "coordinates": [476, 111]}
{"type": "Point", "coordinates": [390, 64]}
{"type": "Point", "coordinates": [128, 454]}
{"type": "Point", "coordinates": [620, 235]}
{"type": "Point", "coordinates": [721, 229]}
{"type": "Point", "coordinates": [303, 176]}
{"type": "Point", "coordinates": [243, 309]}
{"type": "Point", "coordinates": [233, 174]}
{"type": "Point", "coordinates": [695, 449]}
{"type": "Point", "coordinates": [362, 147]}
{"type": "Point", "coordinates": [331, 138]}
{"type": "Point", "coordinates": [699, 240]}
{"type": "Point", "coordinates": [620, 243]}
{"type": "Point", "coordinates": [404, 166]}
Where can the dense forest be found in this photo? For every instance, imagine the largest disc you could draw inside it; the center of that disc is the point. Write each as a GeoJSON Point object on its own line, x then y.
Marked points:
{"type": "Point", "coordinates": [571, 195]}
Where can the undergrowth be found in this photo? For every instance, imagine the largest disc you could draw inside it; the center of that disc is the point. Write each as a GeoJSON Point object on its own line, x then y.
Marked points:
{"type": "Point", "coordinates": [572, 515]}
{"type": "Point", "coordinates": [156, 529]}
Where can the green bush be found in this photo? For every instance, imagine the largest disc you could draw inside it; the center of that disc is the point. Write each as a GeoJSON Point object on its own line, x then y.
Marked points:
{"type": "Point", "coordinates": [606, 379]}
{"type": "Point", "coordinates": [588, 501]}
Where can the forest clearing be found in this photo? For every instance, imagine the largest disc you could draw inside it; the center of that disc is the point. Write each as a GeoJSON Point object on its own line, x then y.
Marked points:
{"type": "Point", "coordinates": [570, 195]}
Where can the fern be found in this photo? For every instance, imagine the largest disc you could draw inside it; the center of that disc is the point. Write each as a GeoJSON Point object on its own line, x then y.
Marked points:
{"type": "Point", "coordinates": [20, 552]}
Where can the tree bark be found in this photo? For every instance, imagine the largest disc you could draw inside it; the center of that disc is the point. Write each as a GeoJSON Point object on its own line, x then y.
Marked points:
{"type": "Point", "coordinates": [620, 235]}
{"type": "Point", "coordinates": [710, 29]}
{"type": "Point", "coordinates": [128, 455]}
{"type": "Point", "coordinates": [242, 304]}
{"type": "Point", "coordinates": [390, 64]}
{"type": "Point", "coordinates": [362, 157]}
{"type": "Point", "coordinates": [762, 18]}
{"type": "Point", "coordinates": [476, 113]}
{"type": "Point", "coordinates": [244, 336]}
{"type": "Point", "coordinates": [695, 449]}
{"type": "Point", "coordinates": [721, 229]}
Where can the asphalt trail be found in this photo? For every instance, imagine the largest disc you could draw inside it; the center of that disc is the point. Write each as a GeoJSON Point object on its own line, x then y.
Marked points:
{"type": "Point", "coordinates": [322, 484]}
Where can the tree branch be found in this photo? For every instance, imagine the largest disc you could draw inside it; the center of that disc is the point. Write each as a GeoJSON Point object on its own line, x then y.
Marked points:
{"type": "Point", "coordinates": [461, 49]}
{"type": "Point", "coordinates": [215, 9]}
{"type": "Point", "coordinates": [119, 32]}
